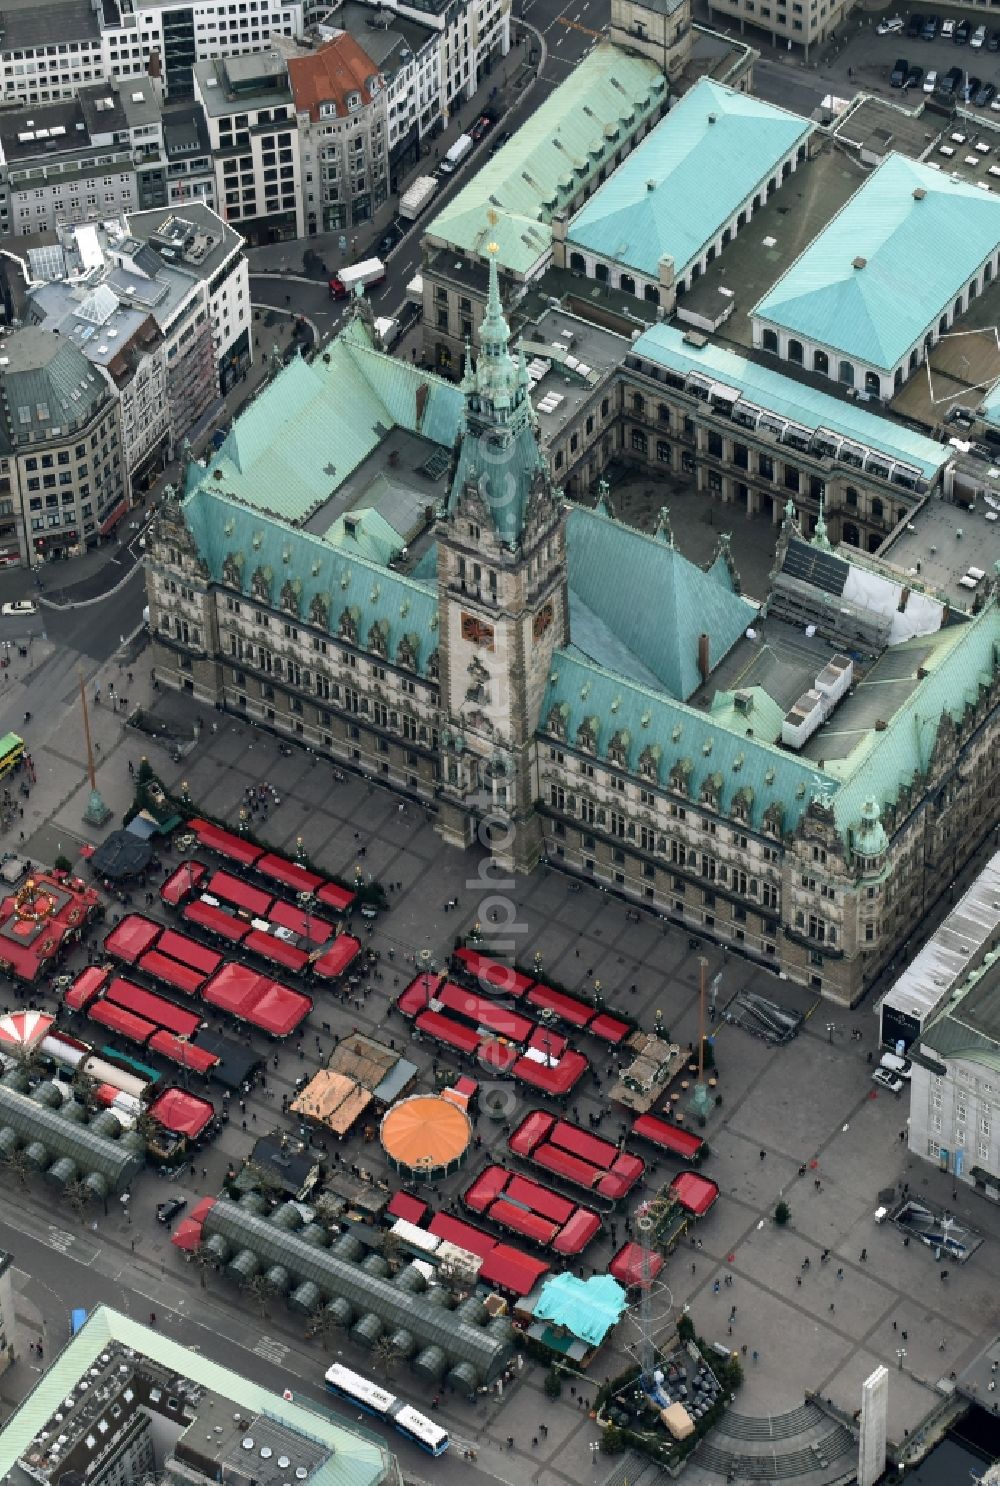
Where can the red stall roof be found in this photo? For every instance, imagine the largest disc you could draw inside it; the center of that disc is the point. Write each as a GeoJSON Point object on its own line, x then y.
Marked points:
{"type": "Point", "coordinates": [129, 939]}
{"type": "Point", "coordinates": [452, 1033]}
{"type": "Point", "coordinates": [106, 1093]}
{"type": "Point", "coordinates": [311, 926]}
{"type": "Point", "coordinates": [154, 1008]}
{"type": "Point", "coordinates": [257, 999]}
{"type": "Point", "coordinates": [453, 1230]}
{"type": "Point", "coordinates": [498, 1056]}
{"type": "Point", "coordinates": [571, 1168]}
{"type": "Point", "coordinates": [629, 1266]}
{"type": "Point", "coordinates": [172, 972]}
{"type": "Point", "coordinates": [182, 881]}
{"type": "Point", "coordinates": [558, 1080]}
{"type": "Point", "coordinates": [189, 952]}
{"type": "Point", "coordinates": [402, 1205]}
{"type": "Point", "coordinates": [539, 1199]}
{"type": "Point", "coordinates": [187, 1054]}
{"type": "Point", "coordinates": [609, 1028]}
{"type": "Point", "coordinates": [225, 843]}
{"type": "Point", "coordinates": [580, 1143]}
{"type": "Point", "coordinates": [336, 897]}
{"type": "Point", "coordinates": [529, 1225]}
{"type": "Point", "coordinates": [417, 994]}
{"type": "Point", "coordinates": [185, 1114]}
{"type": "Point", "coordinates": [492, 973]}
{"type": "Point", "coordinates": [552, 1044]}
{"type": "Point", "coordinates": [215, 920]}
{"type": "Point", "coordinates": [290, 873]}
{"type": "Point", "coordinates": [106, 1014]}
{"type": "Point", "coordinates": [567, 1008]}
{"type": "Point", "coordinates": [668, 1137]}
{"type": "Point", "coordinates": [333, 962]}
{"type": "Point", "coordinates": [486, 1188]}
{"type": "Point", "coordinates": [279, 1009]}
{"type": "Point", "coordinates": [85, 987]}
{"type": "Point", "coordinates": [485, 1013]}
{"type": "Point", "coordinates": [278, 951]}
{"type": "Point", "coordinates": [234, 890]}
{"type": "Point", "coordinates": [533, 1128]}
{"type": "Point", "coordinates": [512, 1270]}
{"type": "Point", "coordinates": [694, 1192]}
{"type": "Point", "coordinates": [578, 1232]}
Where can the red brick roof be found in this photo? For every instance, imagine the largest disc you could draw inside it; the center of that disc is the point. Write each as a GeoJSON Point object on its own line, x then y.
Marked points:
{"type": "Point", "coordinates": [330, 74]}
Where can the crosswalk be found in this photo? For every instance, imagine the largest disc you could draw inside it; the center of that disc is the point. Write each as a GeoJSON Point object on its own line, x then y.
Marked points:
{"type": "Point", "coordinates": [270, 1348]}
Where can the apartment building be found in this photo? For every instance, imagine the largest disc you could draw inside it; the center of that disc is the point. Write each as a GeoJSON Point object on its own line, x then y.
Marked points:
{"type": "Point", "coordinates": [341, 110]}
{"type": "Point", "coordinates": [49, 49]}
{"type": "Point", "coordinates": [253, 134]}
{"type": "Point", "coordinates": [188, 150]}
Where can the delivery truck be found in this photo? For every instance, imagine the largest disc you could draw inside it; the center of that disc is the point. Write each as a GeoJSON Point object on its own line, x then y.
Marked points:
{"type": "Point", "coordinates": [456, 154]}
{"type": "Point", "coordinates": [367, 274]}
{"type": "Point", "coordinates": [416, 196]}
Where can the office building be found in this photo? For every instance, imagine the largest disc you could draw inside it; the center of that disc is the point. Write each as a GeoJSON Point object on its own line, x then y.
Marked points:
{"type": "Point", "coordinates": [341, 109]}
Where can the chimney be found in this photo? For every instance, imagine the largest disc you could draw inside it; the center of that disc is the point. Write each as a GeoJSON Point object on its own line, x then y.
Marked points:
{"type": "Point", "coordinates": [704, 665]}
{"type": "Point", "coordinates": [919, 193]}
{"type": "Point", "coordinates": [859, 262]}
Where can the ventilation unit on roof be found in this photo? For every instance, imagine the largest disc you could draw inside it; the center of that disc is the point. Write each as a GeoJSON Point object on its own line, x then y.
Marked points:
{"type": "Point", "coordinates": [859, 262]}
{"type": "Point", "coordinates": [919, 193]}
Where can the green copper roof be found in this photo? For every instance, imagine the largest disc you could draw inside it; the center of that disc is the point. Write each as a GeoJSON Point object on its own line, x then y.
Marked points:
{"type": "Point", "coordinates": [888, 264]}
{"type": "Point", "coordinates": [238, 544]}
{"type": "Point", "coordinates": [711, 750]}
{"type": "Point", "coordinates": [280, 457]}
{"type": "Point", "coordinates": [353, 1460]}
{"type": "Point", "coordinates": [578, 128]}
{"type": "Point", "coordinates": [672, 196]}
{"type": "Point", "coordinates": [968, 1025]}
{"type": "Point", "coordinates": [789, 400]}
{"type": "Point", "coordinates": [365, 534]}
{"type": "Point", "coordinates": [651, 599]}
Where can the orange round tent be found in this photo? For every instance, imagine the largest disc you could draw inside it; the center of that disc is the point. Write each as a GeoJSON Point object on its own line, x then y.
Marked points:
{"type": "Point", "coordinates": [425, 1137]}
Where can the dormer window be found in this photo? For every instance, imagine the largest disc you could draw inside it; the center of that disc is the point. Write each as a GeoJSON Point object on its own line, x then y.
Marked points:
{"type": "Point", "coordinates": [353, 101]}
{"type": "Point", "coordinates": [328, 110]}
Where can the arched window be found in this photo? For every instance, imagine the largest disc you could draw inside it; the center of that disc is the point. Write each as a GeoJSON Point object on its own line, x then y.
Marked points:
{"type": "Point", "coordinates": [914, 359]}
{"type": "Point", "coordinates": [845, 373]}
{"type": "Point", "coordinates": [795, 352]}
{"type": "Point", "coordinates": [958, 308]}
{"type": "Point", "coordinates": [874, 541]}
{"type": "Point", "coordinates": [851, 535]}
{"type": "Point", "coordinates": [877, 509]}
{"type": "Point", "coordinates": [786, 170]}
{"type": "Point", "coordinates": [601, 273]}
{"type": "Point", "coordinates": [851, 496]}
{"type": "Point", "coordinates": [577, 263]}
{"type": "Point", "coordinates": [943, 325]}
{"type": "Point", "coordinates": [627, 284]}
{"type": "Point", "coordinates": [897, 380]}
{"type": "Point", "coordinates": [651, 294]}
{"type": "Point", "coordinates": [873, 383]}
{"type": "Point", "coordinates": [638, 404]}
{"type": "Point", "coordinates": [821, 362]}
{"type": "Point", "coordinates": [769, 341]}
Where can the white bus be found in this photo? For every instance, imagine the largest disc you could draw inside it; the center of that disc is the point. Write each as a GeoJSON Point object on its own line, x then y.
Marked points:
{"type": "Point", "coordinates": [379, 1402]}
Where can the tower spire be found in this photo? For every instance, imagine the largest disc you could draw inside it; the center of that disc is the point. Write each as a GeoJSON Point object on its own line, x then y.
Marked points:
{"type": "Point", "coordinates": [820, 538]}
{"type": "Point", "coordinates": [494, 333]}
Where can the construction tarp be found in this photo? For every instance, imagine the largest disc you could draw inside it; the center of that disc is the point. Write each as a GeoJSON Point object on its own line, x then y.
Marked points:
{"type": "Point", "coordinates": [289, 873]}
{"type": "Point", "coordinates": [154, 1008]}
{"type": "Point", "coordinates": [187, 1054]}
{"type": "Point", "coordinates": [491, 973]}
{"type": "Point", "coordinates": [172, 972]}
{"type": "Point", "coordinates": [117, 1019]}
{"type": "Point", "coordinates": [225, 843]}
{"type": "Point", "coordinates": [215, 920]}
{"type": "Point", "coordinates": [230, 889]}
{"type": "Point", "coordinates": [578, 1232]}
{"type": "Point", "coordinates": [566, 1008]}
{"type": "Point", "coordinates": [540, 1199]}
{"type": "Point", "coordinates": [181, 1112]}
{"type": "Point", "coordinates": [189, 952]}
{"type": "Point", "coordinates": [445, 1029]}
{"type": "Point", "coordinates": [587, 1309]}
{"type": "Point", "coordinates": [278, 951]}
{"type": "Point", "coordinates": [333, 962]}
{"type": "Point", "coordinates": [131, 938]}
{"type": "Point", "coordinates": [182, 881]}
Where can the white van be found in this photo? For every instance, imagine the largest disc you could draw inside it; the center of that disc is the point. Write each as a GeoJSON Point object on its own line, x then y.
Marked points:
{"type": "Point", "coordinates": [892, 1063]}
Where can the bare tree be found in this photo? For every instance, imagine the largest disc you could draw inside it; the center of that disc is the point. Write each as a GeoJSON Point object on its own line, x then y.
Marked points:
{"type": "Point", "coordinates": [203, 1259]}
{"type": "Point", "coordinates": [386, 1357]}
{"type": "Point", "coordinates": [325, 1323]}
{"type": "Point", "coordinates": [262, 1289]}
{"type": "Point", "coordinates": [78, 1195]}
{"type": "Point", "coordinates": [17, 1164]}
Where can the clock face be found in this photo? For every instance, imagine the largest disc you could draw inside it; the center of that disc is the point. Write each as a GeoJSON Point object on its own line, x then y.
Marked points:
{"type": "Point", "coordinates": [476, 631]}
{"type": "Point", "coordinates": [542, 620]}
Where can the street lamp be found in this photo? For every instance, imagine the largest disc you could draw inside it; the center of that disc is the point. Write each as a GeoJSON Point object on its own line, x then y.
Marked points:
{"type": "Point", "coordinates": [900, 1354]}
{"type": "Point", "coordinates": [831, 1027]}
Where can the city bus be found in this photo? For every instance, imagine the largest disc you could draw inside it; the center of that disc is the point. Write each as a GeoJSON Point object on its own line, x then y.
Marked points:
{"type": "Point", "coordinates": [382, 1404]}
{"type": "Point", "coordinates": [11, 753]}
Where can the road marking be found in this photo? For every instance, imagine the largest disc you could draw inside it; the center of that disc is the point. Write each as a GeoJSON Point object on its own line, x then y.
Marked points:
{"type": "Point", "coordinates": [271, 1349]}
{"type": "Point", "coordinates": [61, 1240]}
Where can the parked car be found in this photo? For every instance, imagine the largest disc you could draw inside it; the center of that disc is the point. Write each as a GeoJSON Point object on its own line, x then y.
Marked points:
{"type": "Point", "coordinates": [167, 1211]}
{"type": "Point", "coordinates": [970, 88]}
{"type": "Point", "coordinates": [985, 96]}
{"type": "Point", "coordinates": [18, 606]}
{"type": "Point", "coordinates": [916, 26]}
{"type": "Point", "coordinates": [890, 26]}
{"type": "Point", "coordinates": [914, 77]}
{"type": "Point", "coordinates": [947, 29]}
{"type": "Point", "coordinates": [978, 37]}
{"type": "Point", "coordinates": [963, 31]}
{"type": "Point", "coordinates": [893, 1063]}
{"type": "Point", "coordinates": [931, 27]}
{"type": "Point", "coordinates": [995, 105]}
{"type": "Point", "coordinates": [993, 41]}
{"type": "Point", "coordinates": [481, 127]}
{"type": "Point", "coordinates": [948, 84]}
{"type": "Point", "coordinates": [887, 1080]}
{"type": "Point", "coordinates": [930, 81]}
{"type": "Point", "coordinates": [897, 76]}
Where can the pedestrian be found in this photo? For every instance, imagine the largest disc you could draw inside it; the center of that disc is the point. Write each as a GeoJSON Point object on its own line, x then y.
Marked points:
{"type": "Point", "coordinates": [510, 1442]}
{"type": "Point", "coordinates": [832, 1306]}
{"type": "Point", "coordinates": [895, 1326]}
{"type": "Point", "coordinates": [131, 768]}
{"type": "Point", "coordinates": [755, 1356]}
{"type": "Point", "coordinates": [840, 1274]}
{"type": "Point", "coordinates": [763, 1155]}
{"type": "Point", "coordinates": [534, 1441]}
{"type": "Point", "coordinates": [694, 1269]}
{"type": "Point", "coordinates": [905, 1335]}
{"type": "Point", "coordinates": [543, 1430]}
{"type": "Point", "coordinates": [864, 1256]}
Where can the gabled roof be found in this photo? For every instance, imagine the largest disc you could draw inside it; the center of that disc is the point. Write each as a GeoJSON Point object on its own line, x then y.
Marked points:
{"type": "Point", "coordinates": [331, 74]}
{"type": "Point", "coordinates": [674, 193]}
{"type": "Point", "coordinates": [651, 599]}
{"type": "Point", "coordinates": [919, 235]}
{"type": "Point", "coordinates": [565, 141]}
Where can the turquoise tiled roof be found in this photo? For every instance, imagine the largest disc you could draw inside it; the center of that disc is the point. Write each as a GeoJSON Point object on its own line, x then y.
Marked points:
{"type": "Point", "coordinates": [772, 391]}
{"type": "Point", "coordinates": [917, 252]}
{"type": "Point", "coordinates": [353, 1459]}
{"type": "Point", "coordinates": [674, 193]}
{"type": "Point", "coordinates": [223, 528]}
{"type": "Point", "coordinates": [712, 748]}
{"type": "Point", "coordinates": [652, 601]}
{"type": "Point", "coordinates": [279, 456]}
{"type": "Point", "coordinates": [576, 130]}
{"type": "Point", "coordinates": [587, 1308]}
{"type": "Point", "coordinates": [371, 536]}
{"type": "Point", "coordinates": [964, 660]}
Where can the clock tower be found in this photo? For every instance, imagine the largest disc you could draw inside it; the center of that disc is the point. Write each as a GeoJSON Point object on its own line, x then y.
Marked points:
{"type": "Point", "coordinates": [503, 603]}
